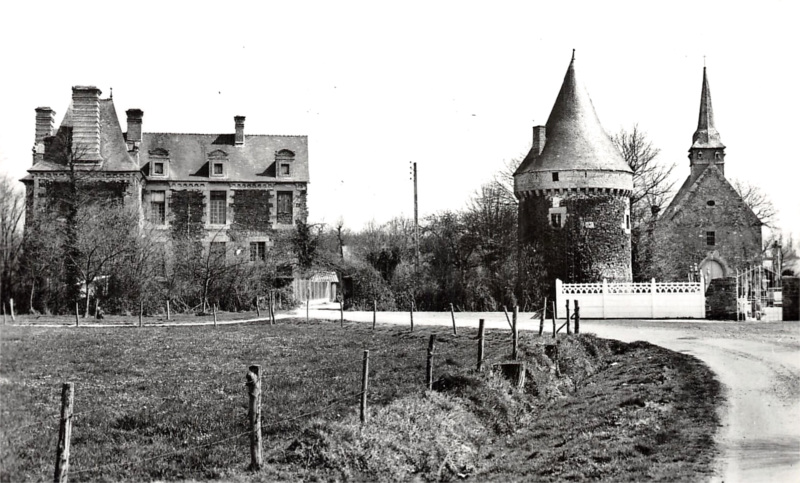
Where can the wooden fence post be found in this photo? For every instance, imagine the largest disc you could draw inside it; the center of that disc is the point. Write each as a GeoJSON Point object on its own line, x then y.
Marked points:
{"type": "Point", "coordinates": [254, 415]}
{"type": "Point", "coordinates": [97, 308]}
{"type": "Point", "coordinates": [214, 309]}
{"type": "Point", "coordinates": [429, 368]}
{"type": "Point", "coordinates": [577, 317]}
{"type": "Point", "coordinates": [514, 332]}
{"type": "Point", "coordinates": [453, 316]}
{"type": "Point", "coordinates": [541, 317]}
{"type": "Point", "coordinates": [554, 320]}
{"type": "Point", "coordinates": [341, 312]}
{"type": "Point", "coordinates": [568, 332]}
{"type": "Point", "coordinates": [11, 307]}
{"type": "Point", "coordinates": [64, 434]}
{"type": "Point", "coordinates": [141, 311]}
{"type": "Point", "coordinates": [271, 301]}
{"type": "Point", "coordinates": [411, 313]}
{"type": "Point", "coordinates": [77, 316]}
{"type": "Point", "coordinates": [481, 331]}
{"type": "Point", "coordinates": [364, 386]}
{"type": "Point", "coordinates": [507, 319]}
{"type": "Point", "coordinates": [4, 312]}
{"type": "Point", "coordinates": [258, 307]}
{"type": "Point", "coordinates": [168, 313]}
{"type": "Point", "coordinates": [374, 313]}
{"type": "Point", "coordinates": [308, 302]}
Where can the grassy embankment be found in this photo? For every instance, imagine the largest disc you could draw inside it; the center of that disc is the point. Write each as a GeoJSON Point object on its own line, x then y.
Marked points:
{"type": "Point", "coordinates": [170, 403]}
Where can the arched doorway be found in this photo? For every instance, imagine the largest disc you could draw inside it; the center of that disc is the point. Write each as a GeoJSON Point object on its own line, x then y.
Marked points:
{"type": "Point", "coordinates": [711, 269]}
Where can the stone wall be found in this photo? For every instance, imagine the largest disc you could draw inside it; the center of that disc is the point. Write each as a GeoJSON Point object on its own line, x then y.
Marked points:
{"type": "Point", "coordinates": [714, 206]}
{"type": "Point", "coordinates": [592, 243]}
{"type": "Point", "coordinates": [721, 299]}
{"type": "Point", "coordinates": [791, 298]}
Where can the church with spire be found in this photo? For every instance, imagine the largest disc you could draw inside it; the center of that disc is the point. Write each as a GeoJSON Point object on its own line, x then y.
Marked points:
{"type": "Point", "coordinates": [707, 226]}
{"type": "Point", "coordinates": [574, 192]}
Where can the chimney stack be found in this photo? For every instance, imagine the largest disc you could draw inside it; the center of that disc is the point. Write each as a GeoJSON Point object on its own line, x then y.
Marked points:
{"type": "Point", "coordinates": [539, 138]}
{"type": "Point", "coordinates": [134, 135]}
{"type": "Point", "coordinates": [239, 137]}
{"type": "Point", "coordinates": [45, 123]}
{"type": "Point", "coordinates": [86, 124]}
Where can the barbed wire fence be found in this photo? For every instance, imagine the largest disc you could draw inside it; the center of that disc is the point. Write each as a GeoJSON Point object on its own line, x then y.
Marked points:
{"type": "Point", "coordinates": [451, 347]}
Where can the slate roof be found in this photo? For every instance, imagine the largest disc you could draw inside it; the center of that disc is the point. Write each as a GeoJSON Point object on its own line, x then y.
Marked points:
{"type": "Point", "coordinates": [113, 149]}
{"type": "Point", "coordinates": [706, 135]}
{"type": "Point", "coordinates": [575, 138]}
{"type": "Point", "coordinates": [188, 156]}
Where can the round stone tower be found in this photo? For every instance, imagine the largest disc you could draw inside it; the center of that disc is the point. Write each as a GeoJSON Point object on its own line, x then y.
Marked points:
{"type": "Point", "coordinates": [574, 192]}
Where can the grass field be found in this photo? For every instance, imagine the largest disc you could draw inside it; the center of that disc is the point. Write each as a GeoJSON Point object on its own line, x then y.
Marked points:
{"type": "Point", "coordinates": [170, 404]}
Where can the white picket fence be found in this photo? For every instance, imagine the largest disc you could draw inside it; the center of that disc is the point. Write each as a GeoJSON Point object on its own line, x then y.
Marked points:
{"type": "Point", "coordinates": [648, 300]}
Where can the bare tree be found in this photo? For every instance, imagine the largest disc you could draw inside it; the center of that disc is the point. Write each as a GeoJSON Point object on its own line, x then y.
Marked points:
{"type": "Point", "coordinates": [757, 200]}
{"type": "Point", "coordinates": [651, 179]}
{"type": "Point", "coordinates": [11, 209]}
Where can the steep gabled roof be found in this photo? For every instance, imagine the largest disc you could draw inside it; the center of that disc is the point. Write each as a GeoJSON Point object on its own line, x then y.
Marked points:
{"type": "Point", "coordinates": [689, 190]}
{"type": "Point", "coordinates": [575, 138]}
{"type": "Point", "coordinates": [706, 135]}
{"type": "Point", "coordinates": [189, 156]}
{"type": "Point", "coordinates": [113, 150]}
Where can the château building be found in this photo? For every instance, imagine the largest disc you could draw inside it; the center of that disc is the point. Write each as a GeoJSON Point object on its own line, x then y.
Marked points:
{"type": "Point", "coordinates": [213, 188]}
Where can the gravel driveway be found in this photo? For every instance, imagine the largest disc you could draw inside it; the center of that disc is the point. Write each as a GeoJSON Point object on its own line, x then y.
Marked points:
{"type": "Point", "coordinates": [758, 363]}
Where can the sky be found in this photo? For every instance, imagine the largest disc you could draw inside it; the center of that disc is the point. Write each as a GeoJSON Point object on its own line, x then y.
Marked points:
{"type": "Point", "coordinates": [453, 86]}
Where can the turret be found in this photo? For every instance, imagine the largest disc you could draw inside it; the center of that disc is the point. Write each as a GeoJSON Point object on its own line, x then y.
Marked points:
{"type": "Point", "coordinates": [574, 189]}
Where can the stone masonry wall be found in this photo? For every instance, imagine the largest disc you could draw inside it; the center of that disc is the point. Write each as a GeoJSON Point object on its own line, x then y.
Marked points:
{"type": "Point", "coordinates": [682, 242]}
{"type": "Point", "coordinates": [593, 242]}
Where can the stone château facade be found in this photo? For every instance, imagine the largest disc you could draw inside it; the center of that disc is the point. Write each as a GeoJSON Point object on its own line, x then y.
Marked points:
{"type": "Point", "coordinates": [210, 187]}
{"type": "Point", "coordinates": [707, 224]}
{"type": "Point", "coordinates": [574, 192]}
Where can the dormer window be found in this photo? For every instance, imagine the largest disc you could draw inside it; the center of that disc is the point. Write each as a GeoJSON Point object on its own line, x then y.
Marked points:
{"type": "Point", "coordinates": [217, 162]}
{"type": "Point", "coordinates": [159, 162]}
{"type": "Point", "coordinates": [717, 155]}
{"type": "Point", "coordinates": [699, 155]}
{"type": "Point", "coordinates": [284, 159]}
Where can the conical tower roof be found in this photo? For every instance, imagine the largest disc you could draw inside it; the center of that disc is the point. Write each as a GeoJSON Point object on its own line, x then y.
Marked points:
{"type": "Point", "coordinates": [706, 135]}
{"type": "Point", "coordinates": [575, 138]}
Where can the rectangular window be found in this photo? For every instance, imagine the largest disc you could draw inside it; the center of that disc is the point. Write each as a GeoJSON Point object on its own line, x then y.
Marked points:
{"type": "Point", "coordinates": [258, 251]}
{"type": "Point", "coordinates": [218, 169]}
{"type": "Point", "coordinates": [158, 207]}
{"type": "Point", "coordinates": [158, 168]}
{"type": "Point", "coordinates": [218, 207]}
{"type": "Point", "coordinates": [285, 170]}
{"type": "Point", "coordinates": [555, 220]}
{"type": "Point", "coordinates": [627, 221]}
{"type": "Point", "coordinates": [285, 205]}
{"type": "Point", "coordinates": [217, 251]}
{"type": "Point", "coordinates": [711, 238]}
{"type": "Point", "coordinates": [555, 176]}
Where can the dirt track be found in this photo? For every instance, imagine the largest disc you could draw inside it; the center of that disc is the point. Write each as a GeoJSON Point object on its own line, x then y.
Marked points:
{"type": "Point", "coordinates": [758, 363]}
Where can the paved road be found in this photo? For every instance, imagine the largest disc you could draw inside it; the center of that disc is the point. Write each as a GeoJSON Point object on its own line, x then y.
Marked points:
{"type": "Point", "coordinates": [759, 365]}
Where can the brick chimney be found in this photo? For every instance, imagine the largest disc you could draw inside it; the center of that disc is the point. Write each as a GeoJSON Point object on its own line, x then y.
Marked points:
{"type": "Point", "coordinates": [86, 124]}
{"type": "Point", "coordinates": [239, 137]}
{"type": "Point", "coordinates": [134, 134]}
{"type": "Point", "coordinates": [45, 123]}
{"type": "Point", "coordinates": [539, 138]}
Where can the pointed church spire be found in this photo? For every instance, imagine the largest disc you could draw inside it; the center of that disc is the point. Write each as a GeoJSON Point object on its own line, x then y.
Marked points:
{"type": "Point", "coordinates": [706, 135]}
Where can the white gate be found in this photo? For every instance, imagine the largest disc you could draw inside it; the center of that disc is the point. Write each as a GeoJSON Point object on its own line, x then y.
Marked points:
{"type": "Point", "coordinates": [648, 300]}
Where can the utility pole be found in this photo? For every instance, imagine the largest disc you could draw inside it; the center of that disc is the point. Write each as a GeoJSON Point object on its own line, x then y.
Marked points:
{"type": "Point", "coordinates": [416, 220]}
